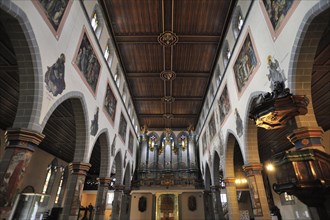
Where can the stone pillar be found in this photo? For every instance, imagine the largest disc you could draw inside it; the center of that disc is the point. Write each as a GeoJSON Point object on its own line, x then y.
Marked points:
{"type": "Point", "coordinates": [101, 197]}
{"type": "Point", "coordinates": [217, 205]}
{"type": "Point", "coordinates": [16, 158]}
{"type": "Point", "coordinates": [74, 189]}
{"type": "Point", "coordinates": [233, 209]}
{"type": "Point", "coordinates": [116, 204]}
{"type": "Point", "coordinates": [125, 205]}
{"type": "Point", "coordinates": [258, 195]}
{"type": "Point", "coordinates": [208, 205]}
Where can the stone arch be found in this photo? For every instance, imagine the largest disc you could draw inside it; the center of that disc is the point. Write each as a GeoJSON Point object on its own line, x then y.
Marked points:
{"type": "Point", "coordinates": [104, 141]}
{"type": "Point", "coordinates": [28, 58]}
{"type": "Point", "coordinates": [81, 120]}
{"type": "Point", "coordinates": [118, 164]}
{"type": "Point", "coordinates": [302, 56]}
{"type": "Point", "coordinates": [229, 154]}
{"type": "Point", "coordinates": [127, 176]}
{"type": "Point", "coordinates": [250, 132]}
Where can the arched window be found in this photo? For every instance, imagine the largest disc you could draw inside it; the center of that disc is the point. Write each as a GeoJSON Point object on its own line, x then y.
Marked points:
{"type": "Point", "coordinates": [50, 177]}
{"type": "Point", "coordinates": [117, 76]}
{"type": "Point", "coordinates": [97, 21]}
{"type": "Point", "coordinates": [60, 189]}
{"type": "Point", "coordinates": [108, 53]}
{"type": "Point", "coordinates": [226, 53]}
{"type": "Point", "coordinates": [237, 21]}
{"type": "Point", "coordinates": [218, 75]}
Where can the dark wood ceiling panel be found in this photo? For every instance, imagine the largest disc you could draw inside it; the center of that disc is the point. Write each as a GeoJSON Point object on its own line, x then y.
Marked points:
{"type": "Point", "coordinates": [196, 27]}
{"type": "Point", "coordinates": [189, 87]}
{"type": "Point", "coordinates": [186, 107]}
{"type": "Point", "coordinates": [194, 58]}
{"type": "Point", "coordinates": [152, 87]}
{"type": "Point", "coordinates": [202, 17]}
{"type": "Point", "coordinates": [134, 17]}
{"type": "Point", "coordinates": [150, 107]}
{"type": "Point", "coordinates": [139, 58]}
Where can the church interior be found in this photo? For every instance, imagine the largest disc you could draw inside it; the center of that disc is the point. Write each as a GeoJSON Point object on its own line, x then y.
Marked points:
{"type": "Point", "coordinates": [165, 109]}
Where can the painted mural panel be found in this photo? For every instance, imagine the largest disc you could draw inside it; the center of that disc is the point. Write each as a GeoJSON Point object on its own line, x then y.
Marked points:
{"type": "Point", "coordinates": [277, 13]}
{"type": "Point", "coordinates": [54, 13]}
{"type": "Point", "coordinates": [212, 127]}
{"type": "Point", "coordinates": [224, 104]}
{"type": "Point", "coordinates": [110, 103]}
{"type": "Point", "coordinates": [95, 123]}
{"type": "Point", "coordinates": [245, 64]}
{"type": "Point", "coordinates": [122, 127]}
{"type": "Point", "coordinates": [54, 76]}
{"type": "Point", "coordinates": [87, 63]}
{"type": "Point", "coordinates": [130, 143]}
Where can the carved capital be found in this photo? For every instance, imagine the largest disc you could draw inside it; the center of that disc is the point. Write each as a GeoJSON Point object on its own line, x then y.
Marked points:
{"type": "Point", "coordinates": [23, 138]}
{"type": "Point", "coordinates": [79, 167]}
{"type": "Point", "coordinates": [253, 168]}
{"type": "Point", "coordinates": [104, 181]}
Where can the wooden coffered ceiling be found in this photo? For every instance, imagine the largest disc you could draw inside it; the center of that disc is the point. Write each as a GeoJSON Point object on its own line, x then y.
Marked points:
{"type": "Point", "coordinates": [186, 54]}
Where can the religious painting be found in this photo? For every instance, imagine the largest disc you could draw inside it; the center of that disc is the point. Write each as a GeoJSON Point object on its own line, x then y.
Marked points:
{"type": "Point", "coordinates": [277, 13]}
{"type": "Point", "coordinates": [54, 76]}
{"type": "Point", "coordinates": [110, 103]}
{"type": "Point", "coordinates": [122, 127]}
{"type": "Point", "coordinates": [224, 104]}
{"type": "Point", "coordinates": [245, 64]}
{"type": "Point", "coordinates": [212, 127]}
{"type": "Point", "coordinates": [130, 143]}
{"type": "Point", "coordinates": [113, 146]}
{"type": "Point", "coordinates": [95, 123]}
{"type": "Point", "coordinates": [87, 63]}
{"type": "Point", "coordinates": [204, 142]}
{"type": "Point", "coordinates": [54, 13]}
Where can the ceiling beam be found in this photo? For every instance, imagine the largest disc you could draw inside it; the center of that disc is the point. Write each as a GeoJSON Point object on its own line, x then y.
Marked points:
{"type": "Point", "coordinates": [152, 39]}
{"type": "Point", "coordinates": [178, 75]}
{"type": "Point", "coordinates": [178, 98]}
{"type": "Point", "coordinates": [174, 116]}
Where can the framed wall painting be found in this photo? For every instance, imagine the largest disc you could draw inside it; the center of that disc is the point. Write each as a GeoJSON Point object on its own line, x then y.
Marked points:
{"type": "Point", "coordinates": [110, 104]}
{"type": "Point", "coordinates": [277, 14]}
{"type": "Point", "coordinates": [224, 105]}
{"type": "Point", "coordinates": [212, 127]}
{"type": "Point", "coordinates": [87, 63]}
{"type": "Point", "coordinates": [246, 63]}
{"type": "Point", "coordinates": [54, 13]}
{"type": "Point", "coordinates": [122, 127]}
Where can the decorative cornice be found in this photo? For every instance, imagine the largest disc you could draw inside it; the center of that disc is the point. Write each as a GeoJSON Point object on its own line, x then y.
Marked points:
{"type": "Point", "coordinates": [24, 135]}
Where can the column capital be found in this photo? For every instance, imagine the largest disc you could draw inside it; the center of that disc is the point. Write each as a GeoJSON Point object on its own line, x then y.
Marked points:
{"type": "Point", "coordinates": [306, 137]}
{"type": "Point", "coordinates": [104, 180]}
{"type": "Point", "coordinates": [253, 168]}
{"type": "Point", "coordinates": [229, 181]}
{"type": "Point", "coordinates": [23, 138]}
{"type": "Point", "coordinates": [79, 167]}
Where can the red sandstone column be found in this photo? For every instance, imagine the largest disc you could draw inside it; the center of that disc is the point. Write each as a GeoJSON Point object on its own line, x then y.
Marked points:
{"type": "Point", "coordinates": [117, 200]}
{"type": "Point", "coordinates": [74, 189]}
{"type": "Point", "coordinates": [233, 210]}
{"type": "Point", "coordinates": [17, 156]}
{"type": "Point", "coordinates": [257, 190]}
{"type": "Point", "coordinates": [101, 197]}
